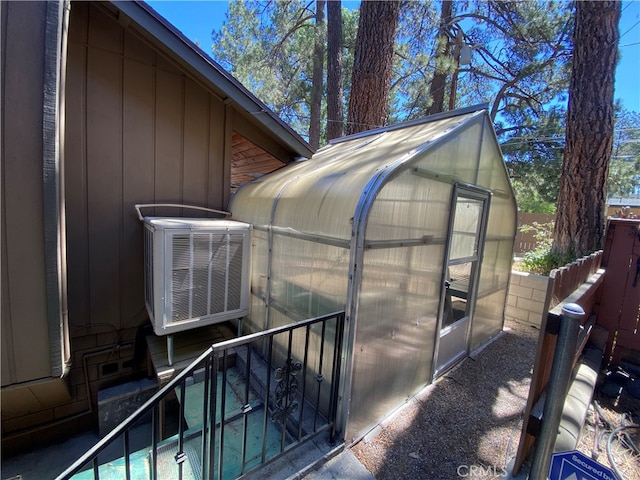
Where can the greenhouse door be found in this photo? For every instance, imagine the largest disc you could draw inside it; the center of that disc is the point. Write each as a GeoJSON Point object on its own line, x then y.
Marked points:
{"type": "Point", "coordinates": [465, 240]}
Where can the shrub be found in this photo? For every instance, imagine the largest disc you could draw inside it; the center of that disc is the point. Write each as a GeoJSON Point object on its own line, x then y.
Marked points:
{"type": "Point", "coordinates": [543, 259]}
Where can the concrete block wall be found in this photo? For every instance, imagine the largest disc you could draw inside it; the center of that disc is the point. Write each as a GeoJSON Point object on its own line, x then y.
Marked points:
{"type": "Point", "coordinates": [526, 298]}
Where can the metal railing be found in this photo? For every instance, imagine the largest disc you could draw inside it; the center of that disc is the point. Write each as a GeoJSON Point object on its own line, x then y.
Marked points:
{"type": "Point", "coordinates": [241, 404]}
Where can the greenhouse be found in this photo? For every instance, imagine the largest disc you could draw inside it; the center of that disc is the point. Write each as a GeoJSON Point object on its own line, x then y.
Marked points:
{"type": "Point", "coordinates": [409, 229]}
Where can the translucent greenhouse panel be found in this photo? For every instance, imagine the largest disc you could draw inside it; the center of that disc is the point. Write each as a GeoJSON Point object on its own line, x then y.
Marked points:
{"type": "Point", "coordinates": [464, 241]}
{"type": "Point", "coordinates": [496, 265]}
{"type": "Point", "coordinates": [308, 279]}
{"type": "Point", "coordinates": [410, 207]}
{"type": "Point", "coordinates": [256, 321]}
{"type": "Point", "coordinates": [308, 208]}
{"type": "Point", "coordinates": [456, 158]}
{"type": "Point", "coordinates": [322, 196]}
{"type": "Point", "coordinates": [323, 200]}
{"type": "Point", "coordinates": [395, 330]}
{"type": "Point", "coordinates": [492, 171]}
{"type": "Point", "coordinates": [254, 201]}
{"type": "Point", "coordinates": [487, 322]}
{"type": "Point", "coordinates": [492, 293]}
{"type": "Point", "coordinates": [495, 271]}
{"type": "Point", "coordinates": [502, 219]}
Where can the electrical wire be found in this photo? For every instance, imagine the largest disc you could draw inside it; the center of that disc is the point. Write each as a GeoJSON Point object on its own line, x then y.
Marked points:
{"type": "Point", "coordinates": [631, 28]}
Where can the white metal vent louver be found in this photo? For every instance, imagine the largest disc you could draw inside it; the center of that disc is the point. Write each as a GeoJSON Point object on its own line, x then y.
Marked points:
{"type": "Point", "coordinates": [196, 271]}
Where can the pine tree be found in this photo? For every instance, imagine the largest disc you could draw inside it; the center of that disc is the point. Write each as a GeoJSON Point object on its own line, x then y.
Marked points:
{"type": "Point", "coordinates": [580, 216]}
{"type": "Point", "coordinates": [372, 65]}
{"type": "Point", "coordinates": [335, 90]}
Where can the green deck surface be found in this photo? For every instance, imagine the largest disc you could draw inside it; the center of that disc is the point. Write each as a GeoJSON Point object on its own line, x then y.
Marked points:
{"type": "Point", "coordinates": [235, 425]}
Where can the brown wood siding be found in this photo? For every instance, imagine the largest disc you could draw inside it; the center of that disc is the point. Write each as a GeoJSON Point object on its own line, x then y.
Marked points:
{"type": "Point", "coordinates": [250, 162]}
{"type": "Point", "coordinates": [243, 126]}
{"type": "Point", "coordinates": [137, 165]}
{"type": "Point", "coordinates": [218, 182]}
{"type": "Point", "coordinates": [141, 126]}
{"type": "Point", "coordinates": [139, 130]}
{"type": "Point", "coordinates": [25, 337]}
{"type": "Point", "coordinates": [76, 173]}
{"type": "Point", "coordinates": [104, 99]}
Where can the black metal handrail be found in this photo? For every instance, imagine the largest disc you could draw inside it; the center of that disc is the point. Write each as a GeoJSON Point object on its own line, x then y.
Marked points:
{"type": "Point", "coordinates": [293, 395]}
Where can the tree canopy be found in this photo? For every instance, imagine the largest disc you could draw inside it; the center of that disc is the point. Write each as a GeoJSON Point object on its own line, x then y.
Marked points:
{"type": "Point", "coordinates": [624, 167]}
{"type": "Point", "coordinates": [268, 47]}
{"type": "Point", "coordinates": [519, 53]}
{"type": "Point", "coordinates": [514, 56]}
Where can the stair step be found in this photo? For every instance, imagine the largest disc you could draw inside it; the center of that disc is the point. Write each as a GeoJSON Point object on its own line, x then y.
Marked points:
{"type": "Point", "coordinates": [140, 466]}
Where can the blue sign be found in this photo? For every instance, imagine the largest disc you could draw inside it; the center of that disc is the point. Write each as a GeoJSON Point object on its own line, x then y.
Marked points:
{"type": "Point", "coordinates": [577, 466]}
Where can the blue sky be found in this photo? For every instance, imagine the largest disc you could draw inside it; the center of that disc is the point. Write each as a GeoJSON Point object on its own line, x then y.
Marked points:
{"type": "Point", "coordinates": [196, 20]}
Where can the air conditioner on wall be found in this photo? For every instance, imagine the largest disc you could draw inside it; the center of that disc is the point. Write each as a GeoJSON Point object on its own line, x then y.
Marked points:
{"type": "Point", "coordinates": [197, 271]}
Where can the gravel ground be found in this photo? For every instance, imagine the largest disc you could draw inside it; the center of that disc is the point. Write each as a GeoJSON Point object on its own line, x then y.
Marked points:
{"type": "Point", "coordinates": [467, 424]}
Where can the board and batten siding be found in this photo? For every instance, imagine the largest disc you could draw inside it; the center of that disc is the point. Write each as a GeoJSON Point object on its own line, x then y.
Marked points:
{"type": "Point", "coordinates": [25, 336]}
{"type": "Point", "coordinates": [144, 120]}
{"type": "Point", "coordinates": [138, 130]}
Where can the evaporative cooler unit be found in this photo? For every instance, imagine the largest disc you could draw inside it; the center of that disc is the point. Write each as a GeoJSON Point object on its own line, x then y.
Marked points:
{"type": "Point", "coordinates": [197, 271]}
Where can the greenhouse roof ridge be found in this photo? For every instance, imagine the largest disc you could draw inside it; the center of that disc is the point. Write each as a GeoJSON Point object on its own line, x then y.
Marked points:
{"type": "Point", "coordinates": [411, 123]}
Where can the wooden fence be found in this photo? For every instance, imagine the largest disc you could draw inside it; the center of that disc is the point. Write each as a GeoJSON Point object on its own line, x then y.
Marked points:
{"type": "Point", "coordinates": [620, 301]}
{"type": "Point", "coordinates": [579, 282]}
{"type": "Point", "coordinates": [565, 280]}
{"type": "Point", "coordinates": [525, 241]}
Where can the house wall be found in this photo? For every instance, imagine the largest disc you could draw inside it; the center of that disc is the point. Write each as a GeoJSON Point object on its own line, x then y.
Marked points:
{"type": "Point", "coordinates": [139, 128]}
{"type": "Point", "coordinates": [31, 391]}
{"type": "Point", "coordinates": [25, 339]}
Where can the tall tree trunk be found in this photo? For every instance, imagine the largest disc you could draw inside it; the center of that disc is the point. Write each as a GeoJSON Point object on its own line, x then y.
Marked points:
{"type": "Point", "coordinates": [372, 65]}
{"type": "Point", "coordinates": [439, 82]}
{"type": "Point", "coordinates": [318, 70]}
{"type": "Point", "coordinates": [335, 91]}
{"type": "Point", "coordinates": [580, 217]}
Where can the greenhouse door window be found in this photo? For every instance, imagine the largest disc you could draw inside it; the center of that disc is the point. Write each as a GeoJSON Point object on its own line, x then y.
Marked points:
{"type": "Point", "coordinates": [467, 227]}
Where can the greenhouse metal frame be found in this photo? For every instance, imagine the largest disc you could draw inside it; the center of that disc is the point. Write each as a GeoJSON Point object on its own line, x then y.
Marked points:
{"type": "Point", "coordinates": [410, 230]}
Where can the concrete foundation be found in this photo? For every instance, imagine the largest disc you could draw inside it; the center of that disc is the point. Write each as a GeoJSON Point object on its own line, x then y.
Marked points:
{"type": "Point", "coordinates": [115, 404]}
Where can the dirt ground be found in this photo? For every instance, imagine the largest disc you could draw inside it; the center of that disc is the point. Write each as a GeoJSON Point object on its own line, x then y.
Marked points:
{"type": "Point", "coordinates": [467, 424]}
